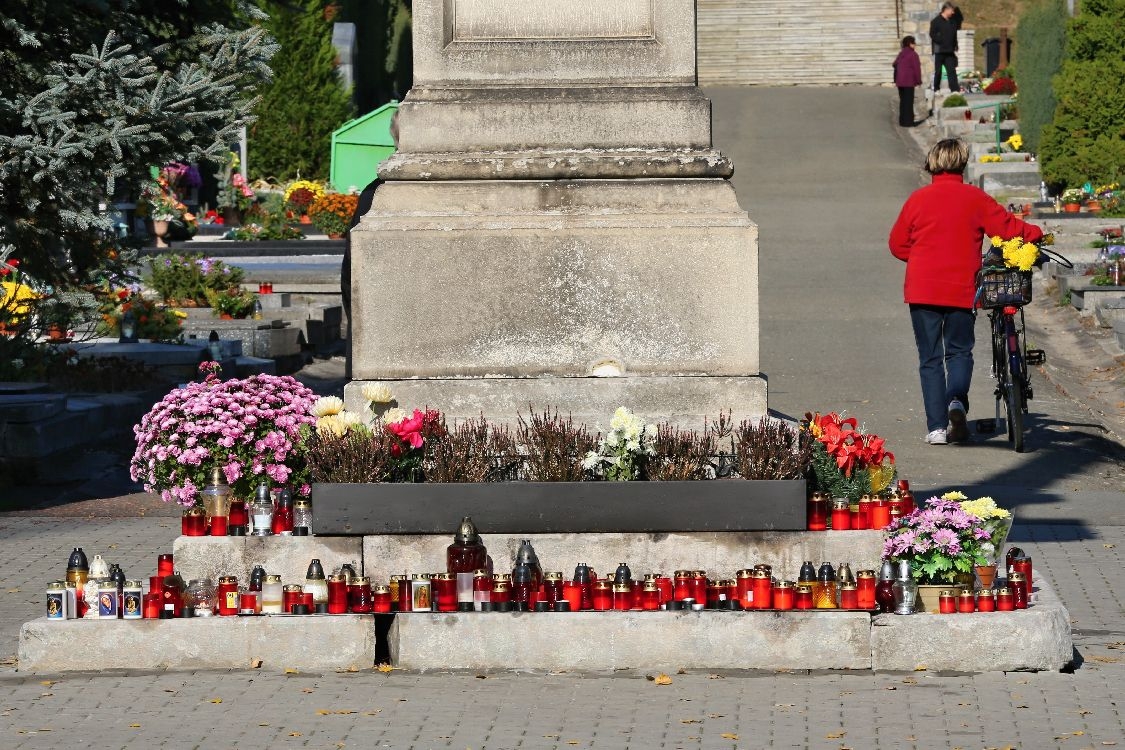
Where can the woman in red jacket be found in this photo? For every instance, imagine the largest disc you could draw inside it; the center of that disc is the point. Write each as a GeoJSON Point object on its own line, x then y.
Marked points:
{"type": "Point", "coordinates": [939, 233]}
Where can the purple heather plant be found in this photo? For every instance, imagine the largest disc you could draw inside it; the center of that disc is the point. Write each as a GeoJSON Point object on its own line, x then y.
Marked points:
{"type": "Point", "coordinates": [250, 428]}
{"type": "Point", "coordinates": [940, 541]}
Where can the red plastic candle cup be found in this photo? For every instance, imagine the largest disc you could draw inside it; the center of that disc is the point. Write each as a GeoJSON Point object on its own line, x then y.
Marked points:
{"type": "Point", "coordinates": [338, 594]}
{"type": "Point", "coordinates": [155, 584]}
{"type": "Point", "coordinates": [622, 597]}
{"type": "Point", "coordinates": [650, 597]}
{"type": "Point", "coordinates": [880, 514]}
{"type": "Point", "coordinates": [290, 595]}
{"type": "Point", "coordinates": [816, 512]}
{"type": "Point", "coordinates": [307, 600]}
{"type": "Point", "coordinates": [227, 595]}
{"type": "Point", "coordinates": [172, 599]}
{"type": "Point", "coordinates": [762, 588]}
{"type": "Point", "coordinates": [849, 596]}
{"type": "Point", "coordinates": [400, 593]}
{"type": "Point", "coordinates": [858, 518]}
{"type": "Point", "coordinates": [482, 587]}
{"type": "Point", "coordinates": [151, 605]}
{"type": "Point", "coordinates": [664, 586]}
{"type": "Point", "coordinates": [713, 598]}
{"type": "Point", "coordinates": [193, 523]}
{"type": "Point", "coordinates": [1005, 601]}
{"type": "Point", "coordinates": [381, 600]}
{"type": "Point", "coordinates": [986, 601]}
{"type": "Point", "coordinates": [865, 589]}
{"type": "Point", "coordinates": [683, 587]}
{"type": "Point", "coordinates": [699, 586]}
{"type": "Point", "coordinates": [1023, 565]}
{"type": "Point", "coordinates": [501, 592]}
{"type": "Point", "coordinates": [220, 525]}
{"type": "Point", "coordinates": [572, 592]}
{"type": "Point", "coordinates": [966, 602]}
{"type": "Point", "coordinates": [261, 287]}
{"type": "Point", "coordinates": [361, 599]}
{"type": "Point", "coordinates": [783, 595]}
{"type": "Point", "coordinates": [744, 588]}
{"type": "Point", "coordinates": [238, 515]}
{"type": "Point", "coordinates": [947, 605]}
{"type": "Point", "coordinates": [1018, 585]}
{"type": "Point", "coordinates": [247, 603]}
{"type": "Point", "coordinates": [164, 566]}
{"type": "Point", "coordinates": [864, 513]}
{"type": "Point", "coordinates": [803, 598]}
{"type": "Point", "coordinates": [841, 516]}
{"type": "Point", "coordinates": [445, 592]}
{"type": "Point", "coordinates": [897, 505]}
{"type": "Point", "coordinates": [603, 596]}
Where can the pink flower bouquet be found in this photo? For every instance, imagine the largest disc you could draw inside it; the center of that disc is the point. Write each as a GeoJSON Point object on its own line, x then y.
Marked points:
{"type": "Point", "coordinates": [250, 428]}
{"type": "Point", "coordinates": [940, 541]}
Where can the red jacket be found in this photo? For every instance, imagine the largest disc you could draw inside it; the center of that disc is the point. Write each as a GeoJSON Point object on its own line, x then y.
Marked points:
{"type": "Point", "coordinates": [940, 233]}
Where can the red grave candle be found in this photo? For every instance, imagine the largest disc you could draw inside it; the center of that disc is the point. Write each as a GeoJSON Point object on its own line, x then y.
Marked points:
{"type": "Point", "coordinates": [622, 597]}
{"type": "Point", "coordinates": [238, 514]}
{"type": "Point", "coordinates": [227, 595]}
{"type": "Point", "coordinates": [219, 525]}
{"type": "Point", "coordinates": [947, 605]}
{"type": "Point", "coordinates": [193, 523]}
{"type": "Point", "coordinates": [865, 589]}
{"type": "Point", "coordinates": [445, 592]}
{"type": "Point", "coordinates": [762, 588]}
{"type": "Point", "coordinates": [164, 566]}
{"type": "Point", "coordinates": [986, 601]}
{"type": "Point", "coordinates": [1018, 584]}
{"type": "Point", "coordinates": [152, 603]}
{"type": "Point", "coordinates": [816, 512]}
{"type": "Point", "coordinates": [290, 595]}
{"type": "Point", "coordinates": [664, 586]}
{"type": "Point", "coordinates": [858, 519]}
{"type": "Point", "coordinates": [650, 597]}
{"type": "Point", "coordinates": [381, 600]}
{"type": "Point", "coordinates": [841, 516]}
{"type": "Point", "coordinates": [248, 603]}
{"type": "Point", "coordinates": [603, 596]}
{"type": "Point", "coordinates": [501, 592]}
{"type": "Point", "coordinates": [849, 596]}
{"type": "Point", "coordinates": [1005, 602]}
{"type": "Point", "coordinates": [338, 594]}
{"type": "Point", "coordinates": [683, 585]}
{"type": "Point", "coordinates": [783, 595]}
{"type": "Point", "coordinates": [1023, 565]}
{"type": "Point", "coordinates": [572, 592]}
{"type": "Point", "coordinates": [803, 598]}
{"type": "Point", "coordinates": [880, 514]}
{"type": "Point", "coordinates": [699, 586]}
{"type": "Point", "coordinates": [864, 513]}
{"type": "Point", "coordinates": [308, 601]}
{"type": "Point", "coordinates": [361, 598]}
{"type": "Point", "coordinates": [966, 602]}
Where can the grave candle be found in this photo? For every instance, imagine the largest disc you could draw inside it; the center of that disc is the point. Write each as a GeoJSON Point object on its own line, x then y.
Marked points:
{"type": "Point", "coordinates": [803, 598]}
{"type": "Point", "coordinates": [381, 600]}
{"type": "Point", "coordinates": [783, 595]}
{"type": "Point", "coordinates": [946, 603]}
{"type": "Point", "coordinates": [816, 512]}
{"type": "Point", "coordinates": [650, 596]}
{"type": "Point", "coordinates": [744, 590]}
{"type": "Point", "coordinates": [228, 596]}
{"type": "Point", "coordinates": [337, 594]}
{"type": "Point", "coordinates": [865, 512]}
{"type": "Point", "coordinates": [849, 596]}
{"type": "Point", "coordinates": [880, 514]}
{"type": "Point", "coordinates": [986, 601]}
{"type": "Point", "coordinates": [193, 522]}
{"type": "Point", "coordinates": [762, 588]}
{"type": "Point", "coordinates": [865, 589]}
{"type": "Point", "coordinates": [164, 565]}
{"type": "Point", "coordinates": [603, 596]}
{"type": "Point", "coordinates": [271, 595]}
{"type": "Point", "coordinates": [966, 602]}
{"type": "Point", "coordinates": [622, 597]}
{"type": "Point", "coordinates": [683, 585]}
{"type": "Point", "coordinates": [1005, 602]}
{"type": "Point", "coordinates": [841, 516]}
{"type": "Point", "coordinates": [360, 596]}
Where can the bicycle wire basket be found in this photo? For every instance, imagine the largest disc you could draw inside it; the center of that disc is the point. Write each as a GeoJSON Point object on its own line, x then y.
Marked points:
{"type": "Point", "coordinates": [1007, 286]}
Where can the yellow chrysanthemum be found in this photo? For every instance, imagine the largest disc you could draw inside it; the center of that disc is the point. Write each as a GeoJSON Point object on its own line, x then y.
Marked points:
{"type": "Point", "coordinates": [996, 241]}
{"type": "Point", "coordinates": [331, 424]}
{"type": "Point", "coordinates": [955, 495]}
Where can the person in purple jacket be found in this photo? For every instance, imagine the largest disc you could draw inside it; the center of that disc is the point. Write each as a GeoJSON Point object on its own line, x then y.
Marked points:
{"type": "Point", "coordinates": [908, 74]}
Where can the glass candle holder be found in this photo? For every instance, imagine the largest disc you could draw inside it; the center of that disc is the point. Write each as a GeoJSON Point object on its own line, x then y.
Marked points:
{"type": "Point", "coordinates": [864, 512]}
{"type": "Point", "coordinates": [227, 596]}
{"type": "Point", "coordinates": [762, 591]}
{"type": "Point", "coordinates": [337, 594]}
{"type": "Point", "coordinates": [603, 596]}
{"type": "Point", "coordinates": [572, 593]}
{"type": "Point", "coordinates": [841, 515]}
{"type": "Point", "coordinates": [219, 526]}
{"type": "Point", "coordinates": [400, 593]}
{"type": "Point", "coordinates": [803, 598]}
{"type": "Point", "coordinates": [201, 594]}
{"type": "Point", "coordinates": [699, 586]}
{"type": "Point", "coordinates": [261, 515]}
{"type": "Point", "coordinates": [783, 595]}
{"type": "Point", "coordinates": [966, 602]}
{"type": "Point", "coordinates": [713, 596]}
{"type": "Point", "coordinates": [361, 599]}
{"type": "Point", "coordinates": [865, 589]}
{"type": "Point", "coordinates": [248, 603]}
{"type": "Point", "coordinates": [152, 602]}
{"type": "Point", "coordinates": [1005, 601]}
{"type": "Point", "coordinates": [664, 586]}
{"type": "Point", "coordinates": [880, 514]}
{"type": "Point", "coordinates": [193, 523]}
{"type": "Point", "coordinates": [986, 601]}
{"type": "Point", "coordinates": [906, 596]}
{"type": "Point", "coordinates": [272, 595]}
{"type": "Point", "coordinates": [622, 597]}
{"type": "Point", "coordinates": [1022, 565]}
{"type": "Point", "coordinates": [239, 516]}
{"type": "Point", "coordinates": [816, 512]}
{"type": "Point", "coordinates": [857, 519]}
{"type": "Point", "coordinates": [683, 587]}
{"type": "Point", "coordinates": [947, 603]}
{"type": "Point", "coordinates": [744, 589]}
{"type": "Point", "coordinates": [650, 597]}
{"type": "Point", "coordinates": [302, 518]}
{"type": "Point", "coordinates": [381, 599]}
{"type": "Point", "coordinates": [501, 592]}
{"type": "Point", "coordinates": [1018, 584]}
{"type": "Point", "coordinates": [165, 565]}
{"type": "Point", "coordinates": [849, 596]}
{"type": "Point", "coordinates": [290, 596]}
{"type": "Point", "coordinates": [445, 592]}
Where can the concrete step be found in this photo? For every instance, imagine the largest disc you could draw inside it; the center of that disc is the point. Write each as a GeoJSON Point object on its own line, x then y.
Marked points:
{"type": "Point", "coordinates": [1109, 310]}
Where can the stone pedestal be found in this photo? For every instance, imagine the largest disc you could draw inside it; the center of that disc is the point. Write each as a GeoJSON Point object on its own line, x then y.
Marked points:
{"type": "Point", "coordinates": [556, 229]}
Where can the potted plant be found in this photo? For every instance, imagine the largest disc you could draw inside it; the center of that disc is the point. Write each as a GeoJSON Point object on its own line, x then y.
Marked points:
{"type": "Point", "coordinates": [164, 208]}
{"type": "Point", "coordinates": [944, 544]}
{"type": "Point", "coordinates": [847, 462]}
{"type": "Point", "coordinates": [300, 195]}
{"type": "Point", "coordinates": [332, 213]}
{"type": "Point", "coordinates": [235, 196]}
{"type": "Point", "coordinates": [231, 303]}
{"type": "Point", "coordinates": [1072, 200]}
{"type": "Point", "coordinates": [997, 521]}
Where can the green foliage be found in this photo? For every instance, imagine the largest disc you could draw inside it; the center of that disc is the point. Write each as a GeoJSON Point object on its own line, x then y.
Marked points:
{"type": "Point", "coordinates": [305, 101]}
{"type": "Point", "coordinates": [955, 100]}
{"type": "Point", "coordinates": [233, 302]}
{"type": "Point", "coordinates": [827, 477]}
{"type": "Point", "coordinates": [383, 65]}
{"type": "Point", "coordinates": [186, 279]}
{"type": "Point", "coordinates": [1086, 138]}
{"type": "Point", "coordinates": [94, 95]}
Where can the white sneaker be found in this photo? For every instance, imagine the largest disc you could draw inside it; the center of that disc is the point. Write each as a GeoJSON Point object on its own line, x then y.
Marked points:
{"type": "Point", "coordinates": [958, 429]}
{"type": "Point", "coordinates": [937, 437]}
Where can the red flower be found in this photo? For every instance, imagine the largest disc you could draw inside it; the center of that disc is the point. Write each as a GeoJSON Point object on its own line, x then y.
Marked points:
{"type": "Point", "coordinates": [13, 262]}
{"type": "Point", "coordinates": [123, 294]}
{"type": "Point", "coordinates": [409, 430]}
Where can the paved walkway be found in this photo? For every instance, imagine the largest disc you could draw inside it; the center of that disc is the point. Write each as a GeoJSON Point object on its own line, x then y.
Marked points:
{"type": "Point", "coordinates": [823, 172]}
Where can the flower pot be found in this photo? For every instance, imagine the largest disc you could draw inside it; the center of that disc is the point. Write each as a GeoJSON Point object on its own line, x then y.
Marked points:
{"type": "Point", "coordinates": [1093, 206]}
{"type": "Point", "coordinates": [226, 316]}
{"type": "Point", "coordinates": [928, 597]}
{"type": "Point", "coordinates": [54, 333]}
{"type": "Point", "coordinates": [305, 219]}
{"type": "Point", "coordinates": [1071, 208]}
{"type": "Point", "coordinates": [231, 216]}
{"type": "Point", "coordinates": [986, 574]}
{"type": "Point", "coordinates": [335, 236]}
{"type": "Point", "coordinates": [159, 230]}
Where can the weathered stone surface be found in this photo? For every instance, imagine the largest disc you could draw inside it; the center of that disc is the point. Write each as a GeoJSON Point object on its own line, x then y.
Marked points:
{"type": "Point", "coordinates": [1037, 638]}
{"type": "Point", "coordinates": [556, 279]}
{"type": "Point", "coordinates": [721, 554]}
{"type": "Point", "coordinates": [600, 641]}
{"type": "Point", "coordinates": [287, 556]}
{"type": "Point", "coordinates": [281, 642]}
{"type": "Point", "coordinates": [23, 407]}
{"type": "Point", "coordinates": [516, 42]}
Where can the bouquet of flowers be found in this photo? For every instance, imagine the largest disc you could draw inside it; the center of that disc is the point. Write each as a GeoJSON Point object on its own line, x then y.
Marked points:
{"type": "Point", "coordinates": [623, 454]}
{"type": "Point", "coordinates": [250, 428]}
{"type": "Point", "coordinates": [151, 320]}
{"type": "Point", "coordinates": [847, 462]}
{"type": "Point", "coordinates": [995, 519]}
{"type": "Point", "coordinates": [301, 194]}
{"type": "Point", "coordinates": [1015, 253]}
{"type": "Point", "coordinates": [332, 213]}
{"type": "Point", "coordinates": [163, 205]}
{"type": "Point", "coordinates": [940, 541]}
{"type": "Point", "coordinates": [234, 192]}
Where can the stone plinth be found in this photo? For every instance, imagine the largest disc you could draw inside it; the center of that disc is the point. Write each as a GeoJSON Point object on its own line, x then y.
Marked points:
{"type": "Point", "coordinates": [281, 642]}
{"type": "Point", "coordinates": [1037, 638]}
{"type": "Point", "coordinates": [597, 641]}
{"type": "Point", "coordinates": [721, 554]}
{"type": "Point", "coordinates": [287, 556]}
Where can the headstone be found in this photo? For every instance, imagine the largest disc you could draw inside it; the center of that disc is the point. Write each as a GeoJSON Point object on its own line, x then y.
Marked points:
{"type": "Point", "coordinates": [556, 228]}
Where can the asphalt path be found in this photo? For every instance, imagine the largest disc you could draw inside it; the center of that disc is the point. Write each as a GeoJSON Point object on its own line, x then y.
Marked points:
{"type": "Point", "coordinates": [823, 172]}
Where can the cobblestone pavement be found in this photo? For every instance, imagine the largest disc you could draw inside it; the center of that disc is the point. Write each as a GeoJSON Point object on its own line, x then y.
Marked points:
{"type": "Point", "coordinates": [728, 709]}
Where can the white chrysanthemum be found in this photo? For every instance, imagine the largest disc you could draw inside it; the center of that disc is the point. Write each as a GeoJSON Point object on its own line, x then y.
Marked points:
{"type": "Point", "coordinates": [349, 420]}
{"type": "Point", "coordinates": [331, 424]}
{"type": "Point", "coordinates": [377, 394]}
{"type": "Point", "coordinates": [612, 439]}
{"type": "Point", "coordinates": [390, 416]}
{"type": "Point", "coordinates": [621, 418]}
{"type": "Point", "coordinates": [632, 446]}
{"type": "Point", "coordinates": [591, 460]}
{"type": "Point", "coordinates": [650, 431]}
{"type": "Point", "coordinates": [326, 406]}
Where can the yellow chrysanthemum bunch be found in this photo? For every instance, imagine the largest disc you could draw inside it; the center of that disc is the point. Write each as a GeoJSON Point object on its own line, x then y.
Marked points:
{"type": "Point", "coordinates": [984, 508]}
{"type": "Point", "coordinates": [990, 158]}
{"type": "Point", "coordinates": [1017, 253]}
{"type": "Point", "coordinates": [1015, 142]}
{"type": "Point", "coordinates": [313, 187]}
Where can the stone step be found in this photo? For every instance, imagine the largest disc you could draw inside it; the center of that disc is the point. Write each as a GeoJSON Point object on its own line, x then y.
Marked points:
{"type": "Point", "coordinates": [287, 556]}
{"type": "Point", "coordinates": [1119, 332]}
{"type": "Point", "coordinates": [30, 407]}
{"type": "Point", "coordinates": [247, 366]}
{"type": "Point", "coordinates": [1110, 310]}
{"type": "Point", "coordinates": [1085, 297]}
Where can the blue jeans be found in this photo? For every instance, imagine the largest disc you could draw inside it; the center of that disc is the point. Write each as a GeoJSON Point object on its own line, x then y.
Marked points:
{"type": "Point", "coordinates": [945, 338]}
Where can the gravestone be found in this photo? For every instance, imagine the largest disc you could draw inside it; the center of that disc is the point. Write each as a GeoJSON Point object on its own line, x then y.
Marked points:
{"type": "Point", "coordinates": [556, 228]}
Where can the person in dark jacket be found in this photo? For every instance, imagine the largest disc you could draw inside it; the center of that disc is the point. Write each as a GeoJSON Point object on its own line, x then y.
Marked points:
{"type": "Point", "coordinates": [908, 74]}
{"type": "Point", "coordinates": [939, 233]}
{"type": "Point", "coordinates": [943, 36]}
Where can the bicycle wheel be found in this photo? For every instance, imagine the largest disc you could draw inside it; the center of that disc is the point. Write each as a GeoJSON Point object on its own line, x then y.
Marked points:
{"type": "Point", "coordinates": [1014, 373]}
{"type": "Point", "coordinates": [1013, 403]}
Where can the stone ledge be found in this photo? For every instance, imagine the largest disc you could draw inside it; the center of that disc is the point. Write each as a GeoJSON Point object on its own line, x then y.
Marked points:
{"type": "Point", "coordinates": [341, 642]}
{"type": "Point", "coordinates": [287, 556]}
{"type": "Point", "coordinates": [599, 641]}
{"type": "Point", "coordinates": [1037, 638]}
{"type": "Point", "coordinates": [719, 553]}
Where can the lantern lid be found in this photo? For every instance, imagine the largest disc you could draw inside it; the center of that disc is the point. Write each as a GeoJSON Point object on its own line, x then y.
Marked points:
{"type": "Point", "coordinates": [467, 532]}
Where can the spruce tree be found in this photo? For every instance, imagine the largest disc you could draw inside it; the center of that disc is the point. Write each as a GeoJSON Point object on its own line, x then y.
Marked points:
{"type": "Point", "coordinates": [97, 93]}
{"type": "Point", "coordinates": [305, 101]}
{"type": "Point", "coordinates": [1040, 45]}
{"type": "Point", "coordinates": [1085, 141]}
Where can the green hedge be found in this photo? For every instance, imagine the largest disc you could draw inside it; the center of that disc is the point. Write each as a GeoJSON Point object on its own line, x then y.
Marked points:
{"type": "Point", "coordinates": [1085, 141]}
{"type": "Point", "coordinates": [1038, 56]}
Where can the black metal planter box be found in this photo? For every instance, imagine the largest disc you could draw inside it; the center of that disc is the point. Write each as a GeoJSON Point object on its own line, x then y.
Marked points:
{"type": "Point", "coordinates": [560, 507]}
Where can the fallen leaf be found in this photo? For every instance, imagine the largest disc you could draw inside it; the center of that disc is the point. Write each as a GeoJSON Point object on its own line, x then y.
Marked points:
{"type": "Point", "coordinates": [691, 721]}
{"type": "Point", "coordinates": [1084, 712]}
{"type": "Point", "coordinates": [1104, 659]}
{"type": "Point", "coordinates": [681, 670]}
{"type": "Point", "coordinates": [352, 668]}
{"type": "Point", "coordinates": [216, 700]}
{"type": "Point", "coordinates": [728, 736]}
{"type": "Point", "coordinates": [920, 668]}
{"type": "Point", "coordinates": [910, 681]}
{"type": "Point", "coordinates": [45, 695]}
{"type": "Point", "coordinates": [255, 663]}
{"type": "Point", "coordinates": [714, 716]}
{"type": "Point", "coordinates": [890, 687]}
{"type": "Point", "coordinates": [1108, 742]}
{"type": "Point", "coordinates": [550, 736]}
{"type": "Point", "coordinates": [291, 671]}
{"type": "Point", "coordinates": [307, 690]}
{"type": "Point", "coordinates": [169, 690]}
{"type": "Point", "coordinates": [322, 712]}
{"type": "Point", "coordinates": [263, 724]}
{"type": "Point", "coordinates": [385, 668]}
{"type": "Point", "coordinates": [662, 679]}
{"type": "Point", "coordinates": [134, 726]}
{"type": "Point", "coordinates": [113, 546]}
{"type": "Point", "coordinates": [1109, 546]}
{"type": "Point", "coordinates": [13, 591]}
{"type": "Point", "coordinates": [572, 742]}
{"type": "Point", "coordinates": [48, 683]}
{"type": "Point", "coordinates": [294, 734]}
{"type": "Point", "coordinates": [715, 677]}
{"type": "Point", "coordinates": [835, 735]}
{"type": "Point", "coordinates": [482, 677]}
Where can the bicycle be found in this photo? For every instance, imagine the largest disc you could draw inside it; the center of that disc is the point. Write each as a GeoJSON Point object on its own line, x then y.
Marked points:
{"type": "Point", "coordinates": [1004, 291]}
